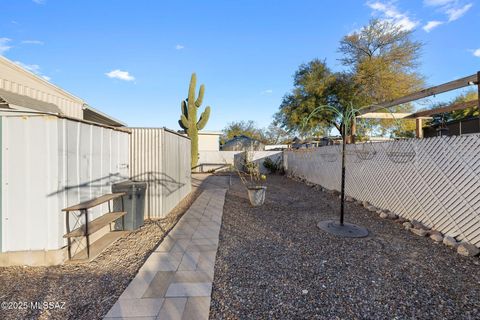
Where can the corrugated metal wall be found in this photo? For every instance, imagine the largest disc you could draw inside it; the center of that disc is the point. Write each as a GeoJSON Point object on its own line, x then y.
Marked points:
{"type": "Point", "coordinates": [162, 159]}
{"type": "Point", "coordinates": [434, 180]}
{"type": "Point", "coordinates": [49, 163]}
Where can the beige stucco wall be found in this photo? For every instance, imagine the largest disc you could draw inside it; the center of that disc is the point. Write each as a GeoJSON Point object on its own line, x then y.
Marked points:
{"type": "Point", "coordinates": [18, 80]}
{"type": "Point", "coordinates": [209, 141]}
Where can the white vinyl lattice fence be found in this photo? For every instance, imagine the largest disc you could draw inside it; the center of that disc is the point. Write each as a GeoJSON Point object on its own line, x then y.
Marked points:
{"type": "Point", "coordinates": [435, 180]}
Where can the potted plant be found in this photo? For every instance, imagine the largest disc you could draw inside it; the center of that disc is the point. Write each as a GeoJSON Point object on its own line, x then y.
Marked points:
{"type": "Point", "coordinates": [253, 180]}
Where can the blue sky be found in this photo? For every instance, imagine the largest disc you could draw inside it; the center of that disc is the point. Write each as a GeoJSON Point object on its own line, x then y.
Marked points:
{"type": "Point", "coordinates": [133, 59]}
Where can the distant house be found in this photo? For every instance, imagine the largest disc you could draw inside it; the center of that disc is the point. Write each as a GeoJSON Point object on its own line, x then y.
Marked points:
{"type": "Point", "coordinates": [207, 140]}
{"type": "Point", "coordinates": [243, 143]}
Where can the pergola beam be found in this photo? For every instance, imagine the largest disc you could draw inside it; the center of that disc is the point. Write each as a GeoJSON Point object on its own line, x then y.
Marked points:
{"type": "Point", "coordinates": [452, 85]}
{"type": "Point", "coordinates": [383, 115]}
{"type": "Point", "coordinates": [450, 108]}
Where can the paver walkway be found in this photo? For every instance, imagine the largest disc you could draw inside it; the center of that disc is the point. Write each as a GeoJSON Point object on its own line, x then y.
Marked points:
{"type": "Point", "coordinates": [176, 280]}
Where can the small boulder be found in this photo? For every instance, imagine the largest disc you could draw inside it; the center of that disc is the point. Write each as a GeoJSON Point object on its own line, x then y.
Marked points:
{"type": "Point", "coordinates": [436, 237]}
{"type": "Point", "coordinates": [418, 225]}
{"type": "Point", "coordinates": [432, 232]}
{"type": "Point", "coordinates": [372, 208]}
{"type": "Point", "coordinates": [419, 232]}
{"type": "Point", "coordinates": [349, 199]}
{"type": "Point", "coordinates": [450, 242]}
{"type": "Point", "coordinates": [392, 216]}
{"type": "Point", "coordinates": [407, 225]}
{"type": "Point", "coordinates": [468, 250]}
{"type": "Point", "coordinates": [401, 220]}
{"type": "Point", "coordinates": [365, 204]}
{"type": "Point", "coordinates": [383, 215]}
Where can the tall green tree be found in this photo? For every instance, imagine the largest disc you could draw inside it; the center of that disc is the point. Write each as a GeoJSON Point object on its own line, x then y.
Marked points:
{"type": "Point", "coordinates": [382, 62]}
{"type": "Point", "coordinates": [247, 128]}
{"type": "Point", "coordinates": [316, 85]}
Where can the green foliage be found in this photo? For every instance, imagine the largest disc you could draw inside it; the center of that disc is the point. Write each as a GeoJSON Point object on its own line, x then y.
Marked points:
{"type": "Point", "coordinates": [248, 128]}
{"type": "Point", "coordinates": [271, 135]}
{"type": "Point", "coordinates": [316, 85]}
{"type": "Point", "coordinates": [188, 119]}
{"type": "Point", "coordinates": [274, 166]}
{"type": "Point", "coordinates": [382, 61]}
{"type": "Point", "coordinates": [457, 114]}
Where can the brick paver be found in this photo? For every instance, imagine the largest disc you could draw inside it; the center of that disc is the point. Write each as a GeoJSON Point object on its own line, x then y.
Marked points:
{"type": "Point", "coordinates": [176, 280]}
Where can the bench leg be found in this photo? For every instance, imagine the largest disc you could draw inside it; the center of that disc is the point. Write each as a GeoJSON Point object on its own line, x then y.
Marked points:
{"type": "Point", "coordinates": [69, 247]}
{"type": "Point", "coordinates": [123, 217]}
{"type": "Point", "coordinates": [69, 241]}
{"type": "Point", "coordinates": [86, 233]}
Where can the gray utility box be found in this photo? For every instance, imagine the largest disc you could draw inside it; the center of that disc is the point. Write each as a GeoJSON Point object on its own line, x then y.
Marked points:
{"type": "Point", "coordinates": [134, 203]}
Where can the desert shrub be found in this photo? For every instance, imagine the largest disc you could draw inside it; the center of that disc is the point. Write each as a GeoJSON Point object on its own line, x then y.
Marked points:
{"type": "Point", "coordinates": [274, 166]}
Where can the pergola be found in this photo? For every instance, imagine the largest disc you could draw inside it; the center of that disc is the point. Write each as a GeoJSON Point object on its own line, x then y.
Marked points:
{"type": "Point", "coordinates": [370, 112]}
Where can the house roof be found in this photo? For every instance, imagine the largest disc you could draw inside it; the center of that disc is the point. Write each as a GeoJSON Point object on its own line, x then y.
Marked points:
{"type": "Point", "coordinates": [14, 101]}
{"type": "Point", "coordinates": [92, 114]}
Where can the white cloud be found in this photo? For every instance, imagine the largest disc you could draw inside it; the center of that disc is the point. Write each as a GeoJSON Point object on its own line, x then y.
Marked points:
{"type": "Point", "coordinates": [431, 25]}
{"type": "Point", "coordinates": [476, 53]}
{"type": "Point", "coordinates": [39, 1]}
{"type": "Point", "coordinates": [179, 47]}
{"type": "Point", "coordinates": [392, 14]}
{"type": "Point", "coordinates": [434, 3]}
{"type": "Point", "coordinates": [121, 75]}
{"type": "Point", "coordinates": [268, 91]}
{"type": "Point", "coordinates": [4, 47]}
{"type": "Point", "coordinates": [456, 13]}
{"type": "Point", "coordinates": [33, 42]}
{"type": "Point", "coordinates": [452, 9]}
{"type": "Point", "coordinates": [33, 68]}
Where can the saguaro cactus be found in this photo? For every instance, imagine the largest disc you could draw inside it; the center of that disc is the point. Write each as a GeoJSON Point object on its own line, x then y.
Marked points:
{"type": "Point", "coordinates": [188, 119]}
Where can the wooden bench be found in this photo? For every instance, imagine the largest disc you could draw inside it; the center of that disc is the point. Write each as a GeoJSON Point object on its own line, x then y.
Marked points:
{"type": "Point", "coordinates": [92, 226]}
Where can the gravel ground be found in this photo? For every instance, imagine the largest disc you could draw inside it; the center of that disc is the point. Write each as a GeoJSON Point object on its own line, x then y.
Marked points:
{"type": "Point", "coordinates": [273, 262]}
{"type": "Point", "coordinates": [89, 290]}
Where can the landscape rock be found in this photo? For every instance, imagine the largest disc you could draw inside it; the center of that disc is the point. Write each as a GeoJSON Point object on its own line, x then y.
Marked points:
{"type": "Point", "coordinates": [349, 199]}
{"type": "Point", "coordinates": [436, 237]}
{"type": "Point", "coordinates": [401, 220]}
{"type": "Point", "coordinates": [418, 225]}
{"type": "Point", "coordinates": [468, 250]}
{"type": "Point", "coordinates": [407, 225]}
{"type": "Point", "coordinates": [383, 215]}
{"type": "Point", "coordinates": [450, 242]}
{"type": "Point", "coordinates": [432, 232]}
{"type": "Point", "coordinates": [392, 216]}
{"type": "Point", "coordinates": [419, 232]}
{"type": "Point", "coordinates": [372, 208]}
{"type": "Point", "coordinates": [365, 204]}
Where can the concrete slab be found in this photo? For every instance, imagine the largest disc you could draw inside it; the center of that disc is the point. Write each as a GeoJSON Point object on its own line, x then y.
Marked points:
{"type": "Point", "coordinates": [197, 308]}
{"type": "Point", "coordinates": [176, 281]}
{"type": "Point", "coordinates": [189, 289]}
{"type": "Point", "coordinates": [135, 308]}
{"type": "Point", "coordinates": [172, 309]}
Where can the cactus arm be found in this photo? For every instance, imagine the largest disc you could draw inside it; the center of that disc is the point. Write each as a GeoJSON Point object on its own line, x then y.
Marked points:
{"type": "Point", "coordinates": [184, 108]}
{"type": "Point", "coordinates": [181, 125]}
{"type": "Point", "coordinates": [203, 118]}
{"type": "Point", "coordinates": [184, 122]}
{"type": "Point", "coordinates": [199, 100]}
{"type": "Point", "coordinates": [191, 89]}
